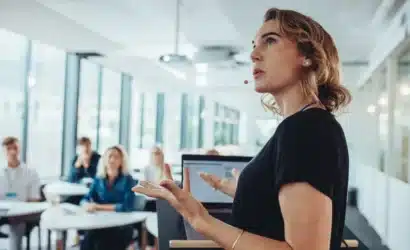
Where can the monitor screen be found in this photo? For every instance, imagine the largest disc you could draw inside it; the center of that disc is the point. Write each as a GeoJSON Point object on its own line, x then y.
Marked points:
{"type": "Point", "coordinates": [220, 166]}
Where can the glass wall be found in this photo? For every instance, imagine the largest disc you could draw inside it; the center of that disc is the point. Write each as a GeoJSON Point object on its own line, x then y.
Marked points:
{"type": "Point", "coordinates": [159, 128]}
{"type": "Point", "coordinates": [109, 125]}
{"type": "Point", "coordinates": [135, 128]}
{"type": "Point", "coordinates": [37, 107]}
{"type": "Point", "coordinates": [402, 115]}
{"type": "Point", "coordinates": [13, 60]}
{"type": "Point", "coordinates": [88, 101]}
{"type": "Point", "coordinates": [149, 120]}
{"type": "Point", "coordinates": [375, 119]}
{"type": "Point", "coordinates": [226, 125]}
{"type": "Point", "coordinates": [46, 104]}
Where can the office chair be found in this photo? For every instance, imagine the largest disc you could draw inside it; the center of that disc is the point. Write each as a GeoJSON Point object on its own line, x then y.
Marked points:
{"type": "Point", "coordinates": [139, 205]}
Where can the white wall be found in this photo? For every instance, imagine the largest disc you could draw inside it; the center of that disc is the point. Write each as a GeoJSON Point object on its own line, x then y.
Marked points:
{"type": "Point", "coordinates": [374, 203]}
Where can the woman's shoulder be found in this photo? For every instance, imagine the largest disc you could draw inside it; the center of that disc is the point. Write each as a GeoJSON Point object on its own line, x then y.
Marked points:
{"type": "Point", "coordinates": [128, 178]}
{"type": "Point", "coordinates": [308, 121]}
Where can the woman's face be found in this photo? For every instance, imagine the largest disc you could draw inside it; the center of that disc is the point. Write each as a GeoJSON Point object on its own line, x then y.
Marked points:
{"type": "Point", "coordinates": [277, 62]}
{"type": "Point", "coordinates": [114, 161]}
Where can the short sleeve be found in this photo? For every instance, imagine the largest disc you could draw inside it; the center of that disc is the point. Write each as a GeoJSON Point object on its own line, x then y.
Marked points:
{"type": "Point", "coordinates": [308, 153]}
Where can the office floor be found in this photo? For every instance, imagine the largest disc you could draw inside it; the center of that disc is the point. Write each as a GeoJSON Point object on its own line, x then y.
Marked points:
{"type": "Point", "coordinates": [358, 224]}
{"type": "Point", "coordinates": [354, 220]}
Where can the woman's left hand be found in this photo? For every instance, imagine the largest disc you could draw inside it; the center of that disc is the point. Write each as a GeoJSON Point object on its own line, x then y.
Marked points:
{"type": "Point", "coordinates": [191, 209]}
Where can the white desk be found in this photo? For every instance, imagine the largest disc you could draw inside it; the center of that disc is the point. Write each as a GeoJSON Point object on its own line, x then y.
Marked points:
{"type": "Point", "coordinates": [63, 217]}
{"type": "Point", "coordinates": [67, 216]}
{"type": "Point", "coordinates": [151, 223]}
{"type": "Point", "coordinates": [62, 188]}
{"type": "Point", "coordinates": [20, 208]}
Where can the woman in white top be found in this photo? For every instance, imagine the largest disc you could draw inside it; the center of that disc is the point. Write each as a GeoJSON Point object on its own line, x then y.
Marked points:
{"type": "Point", "coordinates": [154, 172]}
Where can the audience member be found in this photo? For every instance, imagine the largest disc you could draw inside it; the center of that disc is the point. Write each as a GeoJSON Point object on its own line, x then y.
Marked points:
{"type": "Point", "coordinates": [110, 191]}
{"type": "Point", "coordinates": [85, 162]}
{"type": "Point", "coordinates": [154, 172]}
{"type": "Point", "coordinates": [17, 183]}
{"type": "Point", "coordinates": [212, 151]}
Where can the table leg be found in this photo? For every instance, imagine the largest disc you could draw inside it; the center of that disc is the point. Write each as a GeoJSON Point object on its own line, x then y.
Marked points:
{"type": "Point", "coordinates": [144, 236]}
{"type": "Point", "coordinates": [48, 239]}
{"type": "Point", "coordinates": [61, 240]}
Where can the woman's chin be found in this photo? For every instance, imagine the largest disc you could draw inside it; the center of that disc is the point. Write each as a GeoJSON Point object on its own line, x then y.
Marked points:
{"type": "Point", "coordinates": [260, 88]}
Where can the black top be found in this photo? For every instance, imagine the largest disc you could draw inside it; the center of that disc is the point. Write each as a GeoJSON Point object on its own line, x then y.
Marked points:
{"type": "Point", "coordinates": [76, 174]}
{"type": "Point", "coordinates": [308, 146]}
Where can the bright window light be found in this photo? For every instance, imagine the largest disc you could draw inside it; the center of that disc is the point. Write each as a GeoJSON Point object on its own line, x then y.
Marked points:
{"type": "Point", "coordinates": [31, 81]}
{"type": "Point", "coordinates": [404, 89]}
{"type": "Point", "coordinates": [201, 67]}
{"type": "Point", "coordinates": [201, 80]}
{"type": "Point", "coordinates": [383, 101]}
{"type": "Point", "coordinates": [371, 109]}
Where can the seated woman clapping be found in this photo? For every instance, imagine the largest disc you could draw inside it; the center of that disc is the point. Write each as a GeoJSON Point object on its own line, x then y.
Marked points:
{"type": "Point", "coordinates": [111, 191]}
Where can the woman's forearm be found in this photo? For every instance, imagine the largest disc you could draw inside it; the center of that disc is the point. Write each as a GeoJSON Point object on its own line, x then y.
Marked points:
{"type": "Point", "coordinates": [105, 207]}
{"type": "Point", "coordinates": [225, 235]}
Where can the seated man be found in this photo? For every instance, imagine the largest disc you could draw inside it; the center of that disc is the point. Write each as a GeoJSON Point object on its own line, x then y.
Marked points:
{"type": "Point", "coordinates": [85, 162]}
{"type": "Point", "coordinates": [110, 191]}
{"type": "Point", "coordinates": [17, 183]}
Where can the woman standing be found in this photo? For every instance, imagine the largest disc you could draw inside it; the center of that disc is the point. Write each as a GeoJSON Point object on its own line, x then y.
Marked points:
{"type": "Point", "coordinates": [292, 195]}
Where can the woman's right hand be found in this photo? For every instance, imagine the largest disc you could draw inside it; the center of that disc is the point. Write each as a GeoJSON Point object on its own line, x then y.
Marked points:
{"type": "Point", "coordinates": [168, 175]}
{"type": "Point", "coordinates": [225, 185]}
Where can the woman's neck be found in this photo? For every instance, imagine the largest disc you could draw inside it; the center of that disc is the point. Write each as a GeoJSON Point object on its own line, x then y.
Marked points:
{"type": "Point", "coordinates": [292, 101]}
{"type": "Point", "coordinates": [111, 177]}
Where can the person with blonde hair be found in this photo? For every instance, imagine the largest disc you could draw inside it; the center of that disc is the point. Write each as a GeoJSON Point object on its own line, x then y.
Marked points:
{"type": "Point", "coordinates": [292, 195]}
{"type": "Point", "coordinates": [154, 172]}
{"type": "Point", "coordinates": [110, 191]}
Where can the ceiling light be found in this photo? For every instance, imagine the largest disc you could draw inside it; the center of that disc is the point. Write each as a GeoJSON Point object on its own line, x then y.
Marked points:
{"type": "Point", "coordinates": [382, 101]}
{"type": "Point", "coordinates": [404, 89]}
{"type": "Point", "coordinates": [177, 73]}
{"type": "Point", "coordinates": [165, 58]}
{"type": "Point", "coordinates": [371, 109]}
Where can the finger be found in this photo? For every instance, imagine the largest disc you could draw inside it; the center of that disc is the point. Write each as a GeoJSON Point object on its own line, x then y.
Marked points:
{"type": "Point", "coordinates": [147, 184]}
{"type": "Point", "coordinates": [173, 188]}
{"type": "Point", "coordinates": [212, 180]}
{"type": "Point", "coordinates": [186, 185]}
{"type": "Point", "coordinates": [156, 193]}
{"type": "Point", "coordinates": [236, 173]}
{"type": "Point", "coordinates": [167, 172]}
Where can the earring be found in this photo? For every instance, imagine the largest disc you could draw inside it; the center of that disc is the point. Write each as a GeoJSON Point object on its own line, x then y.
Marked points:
{"type": "Point", "coordinates": [307, 62]}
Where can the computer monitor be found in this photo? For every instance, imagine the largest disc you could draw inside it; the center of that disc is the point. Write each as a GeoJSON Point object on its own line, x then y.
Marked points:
{"type": "Point", "coordinates": [213, 164]}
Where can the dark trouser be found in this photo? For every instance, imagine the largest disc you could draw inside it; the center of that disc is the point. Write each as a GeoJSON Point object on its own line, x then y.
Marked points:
{"type": "Point", "coordinates": [74, 199]}
{"type": "Point", "coordinates": [108, 238]}
{"type": "Point", "coordinates": [151, 206]}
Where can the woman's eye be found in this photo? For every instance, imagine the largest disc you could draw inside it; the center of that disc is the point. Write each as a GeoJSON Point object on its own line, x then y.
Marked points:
{"type": "Point", "coordinates": [270, 40]}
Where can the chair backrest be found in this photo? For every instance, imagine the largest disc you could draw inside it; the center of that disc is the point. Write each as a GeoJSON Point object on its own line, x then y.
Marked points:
{"type": "Point", "coordinates": [170, 224]}
{"type": "Point", "coordinates": [42, 194]}
{"type": "Point", "coordinates": [139, 202]}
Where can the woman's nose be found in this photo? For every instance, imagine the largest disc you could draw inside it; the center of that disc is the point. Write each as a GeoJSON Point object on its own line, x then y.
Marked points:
{"type": "Point", "coordinates": [255, 55]}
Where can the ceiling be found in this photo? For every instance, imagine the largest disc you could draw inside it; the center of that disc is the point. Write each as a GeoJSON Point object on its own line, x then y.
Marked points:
{"type": "Point", "coordinates": [132, 34]}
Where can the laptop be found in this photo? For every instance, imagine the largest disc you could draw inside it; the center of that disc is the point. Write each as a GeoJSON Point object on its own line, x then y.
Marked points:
{"type": "Point", "coordinates": [218, 204]}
